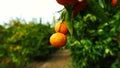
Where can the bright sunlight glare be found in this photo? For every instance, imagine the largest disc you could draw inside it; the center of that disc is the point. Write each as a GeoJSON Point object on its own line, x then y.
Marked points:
{"type": "Point", "coordinates": [28, 9]}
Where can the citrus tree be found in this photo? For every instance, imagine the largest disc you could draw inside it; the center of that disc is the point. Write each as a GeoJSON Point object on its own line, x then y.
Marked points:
{"type": "Point", "coordinates": [95, 32]}
{"type": "Point", "coordinates": [22, 43]}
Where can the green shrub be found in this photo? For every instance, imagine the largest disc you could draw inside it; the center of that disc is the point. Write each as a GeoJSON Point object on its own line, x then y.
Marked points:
{"type": "Point", "coordinates": [95, 44]}
{"type": "Point", "coordinates": [23, 43]}
{"type": "Point", "coordinates": [95, 31]}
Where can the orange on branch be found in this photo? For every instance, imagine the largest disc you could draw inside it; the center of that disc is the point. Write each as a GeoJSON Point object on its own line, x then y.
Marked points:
{"type": "Point", "coordinates": [58, 40]}
{"type": "Point", "coordinates": [61, 27]}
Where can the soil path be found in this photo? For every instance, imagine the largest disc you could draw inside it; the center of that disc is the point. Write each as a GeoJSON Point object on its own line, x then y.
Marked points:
{"type": "Point", "coordinates": [60, 59]}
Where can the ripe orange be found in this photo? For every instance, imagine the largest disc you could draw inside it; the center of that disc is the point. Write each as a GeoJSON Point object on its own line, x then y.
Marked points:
{"type": "Point", "coordinates": [10, 48]}
{"type": "Point", "coordinates": [58, 39]}
{"type": "Point", "coordinates": [61, 27]}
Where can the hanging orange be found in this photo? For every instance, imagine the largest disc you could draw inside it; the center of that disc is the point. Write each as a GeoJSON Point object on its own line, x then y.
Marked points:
{"type": "Point", "coordinates": [61, 27]}
{"type": "Point", "coordinates": [58, 40]}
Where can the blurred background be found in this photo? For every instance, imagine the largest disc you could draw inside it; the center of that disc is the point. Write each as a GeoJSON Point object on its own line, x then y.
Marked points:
{"type": "Point", "coordinates": [28, 10]}
{"type": "Point", "coordinates": [93, 40]}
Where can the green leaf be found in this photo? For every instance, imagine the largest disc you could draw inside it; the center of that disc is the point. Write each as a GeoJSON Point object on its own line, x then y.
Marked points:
{"type": "Point", "coordinates": [69, 24]}
{"type": "Point", "coordinates": [101, 3]}
{"type": "Point", "coordinates": [89, 16]}
{"type": "Point", "coordinates": [69, 19]}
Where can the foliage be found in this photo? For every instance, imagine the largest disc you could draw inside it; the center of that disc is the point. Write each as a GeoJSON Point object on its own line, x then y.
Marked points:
{"type": "Point", "coordinates": [94, 41]}
{"type": "Point", "coordinates": [95, 47]}
{"type": "Point", "coordinates": [21, 43]}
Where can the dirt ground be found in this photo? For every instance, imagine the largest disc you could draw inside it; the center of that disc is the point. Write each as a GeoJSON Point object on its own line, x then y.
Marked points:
{"type": "Point", "coordinates": [61, 59]}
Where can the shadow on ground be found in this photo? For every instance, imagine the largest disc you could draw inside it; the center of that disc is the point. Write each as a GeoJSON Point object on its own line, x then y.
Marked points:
{"type": "Point", "coordinates": [60, 59]}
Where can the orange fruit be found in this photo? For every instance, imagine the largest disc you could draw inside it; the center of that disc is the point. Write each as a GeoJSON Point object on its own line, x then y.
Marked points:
{"type": "Point", "coordinates": [10, 48]}
{"type": "Point", "coordinates": [58, 39]}
{"type": "Point", "coordinates": [61, 27]}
